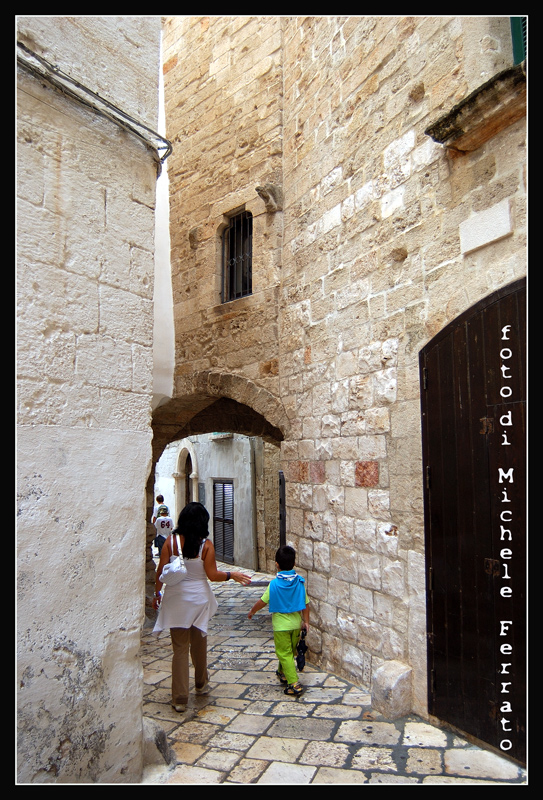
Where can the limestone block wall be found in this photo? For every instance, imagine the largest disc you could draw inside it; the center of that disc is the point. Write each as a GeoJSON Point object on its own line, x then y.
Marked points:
{"type": "Point", "coordinates": [373, 266]}
{"type": "Point", "coordinates": [85, 215]}
{"type": "Point", "coordinates": [377, 247]}
{"type": "Point", "coordinates": [223, 115]}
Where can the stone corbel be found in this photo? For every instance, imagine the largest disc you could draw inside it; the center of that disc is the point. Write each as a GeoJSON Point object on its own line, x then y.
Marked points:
{"type": "Point", "coordinates": [272, 196]}
{"type": "Point", "coordinates": [491, 108]}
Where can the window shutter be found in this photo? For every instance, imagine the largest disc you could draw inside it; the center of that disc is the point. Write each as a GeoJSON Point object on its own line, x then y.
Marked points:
{"type": "Point", "coordinates": [223, 520]}
{"type": "Point", "coordinates": [519, 36]}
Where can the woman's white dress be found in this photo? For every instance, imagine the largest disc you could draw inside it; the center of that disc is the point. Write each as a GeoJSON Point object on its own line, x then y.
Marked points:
{"type": "Point", "coordinates": [189, 602]}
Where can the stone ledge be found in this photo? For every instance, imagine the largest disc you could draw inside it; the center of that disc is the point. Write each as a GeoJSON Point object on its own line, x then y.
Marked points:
{"type": "Point", "coordinates": [484, 113]}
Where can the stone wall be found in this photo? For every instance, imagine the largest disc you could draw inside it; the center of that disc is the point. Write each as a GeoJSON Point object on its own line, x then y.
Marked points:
{"type": "Point", "coordinates": [223, 112]}
{"type": "Point", "coordinates": [86, 194]}
{"type": "Point", "coordinates": [363, 263]}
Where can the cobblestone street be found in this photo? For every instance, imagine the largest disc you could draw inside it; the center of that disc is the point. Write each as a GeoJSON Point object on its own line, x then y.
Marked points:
{"type": "Point", "coordinates": [247, 732]}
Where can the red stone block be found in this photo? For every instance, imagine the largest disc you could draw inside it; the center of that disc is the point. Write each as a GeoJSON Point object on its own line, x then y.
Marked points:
{"type": "Point", "coordinates": [366, 473]}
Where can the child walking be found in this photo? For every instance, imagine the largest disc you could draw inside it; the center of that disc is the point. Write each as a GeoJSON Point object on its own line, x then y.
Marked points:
{"type": "Point", "coordinates": [287, 598]}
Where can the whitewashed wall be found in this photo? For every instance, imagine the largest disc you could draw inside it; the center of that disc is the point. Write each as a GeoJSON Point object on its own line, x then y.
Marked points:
{"type": "Point", "coordinates": [85, 216]}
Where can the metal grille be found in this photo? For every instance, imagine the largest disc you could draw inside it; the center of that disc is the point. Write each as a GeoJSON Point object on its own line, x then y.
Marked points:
{"type": "Point", "coordinates": [238, 257]}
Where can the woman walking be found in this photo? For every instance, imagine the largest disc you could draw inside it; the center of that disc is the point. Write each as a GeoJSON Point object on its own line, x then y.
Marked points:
{"type": "Point", "coordinates": [186, 607]}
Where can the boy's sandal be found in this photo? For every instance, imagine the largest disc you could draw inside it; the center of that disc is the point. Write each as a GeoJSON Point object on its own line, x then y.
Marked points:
{"type": "Point", "coordinates": [281, 676]}
{"type": "Point", "coordinates": [294, 689]}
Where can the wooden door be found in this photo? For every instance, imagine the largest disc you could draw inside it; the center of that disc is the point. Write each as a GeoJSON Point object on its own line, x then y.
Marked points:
{"type": "Point", "coordinates": [473, 433]}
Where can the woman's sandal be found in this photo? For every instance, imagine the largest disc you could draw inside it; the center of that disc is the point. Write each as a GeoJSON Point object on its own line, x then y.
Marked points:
{"type": "Point", "coordinates": [294, 689]}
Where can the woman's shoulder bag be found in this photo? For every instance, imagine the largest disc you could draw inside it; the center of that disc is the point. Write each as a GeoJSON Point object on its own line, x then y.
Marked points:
{"type": "Point", "coordinates": [176, 570]}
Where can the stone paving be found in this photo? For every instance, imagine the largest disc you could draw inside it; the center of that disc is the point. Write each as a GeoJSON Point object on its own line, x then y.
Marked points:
{"type": "Point", "coordinates": [246, 731]}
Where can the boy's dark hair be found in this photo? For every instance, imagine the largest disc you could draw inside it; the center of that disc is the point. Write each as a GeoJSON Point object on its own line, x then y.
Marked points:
{"type": "Point", "coordinates": [286, 556]}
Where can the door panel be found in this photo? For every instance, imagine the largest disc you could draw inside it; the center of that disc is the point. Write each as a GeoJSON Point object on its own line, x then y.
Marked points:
{"type": "Point", "coordinates": [465, 393]}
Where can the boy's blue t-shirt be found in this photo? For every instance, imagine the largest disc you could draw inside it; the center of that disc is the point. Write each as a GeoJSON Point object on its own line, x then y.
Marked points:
{"type": "Point", "coordinates": [287, 597]}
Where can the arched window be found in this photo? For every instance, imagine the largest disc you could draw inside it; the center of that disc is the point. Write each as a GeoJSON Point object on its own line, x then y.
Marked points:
{"type": "Point", "coordinates": [237, 257]}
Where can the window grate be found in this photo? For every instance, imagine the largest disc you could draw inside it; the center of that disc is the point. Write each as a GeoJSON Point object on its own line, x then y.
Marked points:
{"type": "Point", "coordinates": [238, 257]}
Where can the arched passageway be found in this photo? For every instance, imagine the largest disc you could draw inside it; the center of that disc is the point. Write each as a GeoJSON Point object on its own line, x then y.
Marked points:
{"type": "Point", "coordinates": [216, 402]}
{"type": "Point", "coordinates": [211, 400]}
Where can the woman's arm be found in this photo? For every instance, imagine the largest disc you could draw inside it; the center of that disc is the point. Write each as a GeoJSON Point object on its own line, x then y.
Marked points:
{"type": "Point", "coordinates": [164, 559]}
{"type": "Point", "coordinates": [305, 618]}
{"type": "Point", "coordinates": [216, 575]}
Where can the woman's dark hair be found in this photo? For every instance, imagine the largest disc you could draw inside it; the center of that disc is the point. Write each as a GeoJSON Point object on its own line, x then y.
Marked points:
{"type": "Point", "coordinates": [192, 525]}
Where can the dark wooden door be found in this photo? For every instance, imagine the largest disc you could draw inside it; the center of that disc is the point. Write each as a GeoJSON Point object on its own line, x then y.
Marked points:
{"type": "Point", "coordinates": [473, 433]}
{"type": "Point", "coordinates": [223, 520]}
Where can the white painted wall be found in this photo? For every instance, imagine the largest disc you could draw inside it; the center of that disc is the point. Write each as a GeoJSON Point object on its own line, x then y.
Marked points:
{"type": "Point", "coordinates": [85, 235]}
{"type": "Point", "coordinates": [163, 331]}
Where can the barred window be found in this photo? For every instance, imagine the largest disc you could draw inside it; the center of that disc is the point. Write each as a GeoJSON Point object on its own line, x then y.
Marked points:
{"type": "Point", "coordinates": [237, 257]}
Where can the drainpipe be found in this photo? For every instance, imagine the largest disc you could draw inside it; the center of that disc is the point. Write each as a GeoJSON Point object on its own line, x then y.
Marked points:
{"type": "Point", "coordinates": [51, 74]}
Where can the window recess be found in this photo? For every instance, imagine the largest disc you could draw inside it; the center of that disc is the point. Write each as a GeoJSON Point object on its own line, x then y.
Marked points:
{"type": "Point", "coordinates": [237, 257]}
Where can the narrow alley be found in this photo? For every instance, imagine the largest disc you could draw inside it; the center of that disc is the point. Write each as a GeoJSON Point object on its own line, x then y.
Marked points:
{"type": "Point", "coordinates": [245, 731]}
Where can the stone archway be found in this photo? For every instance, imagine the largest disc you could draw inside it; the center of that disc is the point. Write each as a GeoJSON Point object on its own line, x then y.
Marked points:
{"type": "Point", "coordinates": [237, 401]}
{"type": "Point", "coordinates": [186, 476]}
